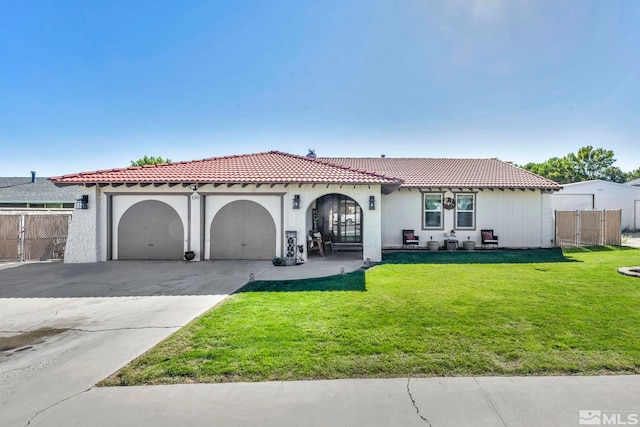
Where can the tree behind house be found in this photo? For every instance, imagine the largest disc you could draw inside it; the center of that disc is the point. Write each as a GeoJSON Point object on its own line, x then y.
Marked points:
{"type": "Point", "coordinates": [150, 160]}
{"type": "Point", "coordinates": [585, 165]}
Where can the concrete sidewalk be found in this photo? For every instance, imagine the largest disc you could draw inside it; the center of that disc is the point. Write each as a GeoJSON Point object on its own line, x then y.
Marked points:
{"type": "Point", "coordinates": [435, 402]}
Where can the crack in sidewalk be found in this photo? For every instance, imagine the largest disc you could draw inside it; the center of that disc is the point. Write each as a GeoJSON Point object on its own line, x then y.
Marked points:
{"type": "Point", "coordinates": [415, 404]}
{"type": "Point", "coordinates": [273, 401]}
{"type": "Point", "coordinates": [55, 404]}
{"type": "Point", "coordinates": [490, 400]}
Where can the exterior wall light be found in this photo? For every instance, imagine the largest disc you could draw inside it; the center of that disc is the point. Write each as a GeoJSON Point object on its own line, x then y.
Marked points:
{"type": "Point", "coordinates": [372, 203]}
{"type": "Point", "coordinates": [296, 201]}
{"type": "Point", "coordinates": [83, 202]}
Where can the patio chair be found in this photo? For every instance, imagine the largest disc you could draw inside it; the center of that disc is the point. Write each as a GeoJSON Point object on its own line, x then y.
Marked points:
{"type": "Point", "coordinates": [326, 242]}
{"type": "Point", "coordinates": [409, 238]}
{"type": "Point", "coordinates": [488, 238]}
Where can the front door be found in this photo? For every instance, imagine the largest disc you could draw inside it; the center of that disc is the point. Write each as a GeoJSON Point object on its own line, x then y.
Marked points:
{"type": "Point", "coordinates": [340, 217]}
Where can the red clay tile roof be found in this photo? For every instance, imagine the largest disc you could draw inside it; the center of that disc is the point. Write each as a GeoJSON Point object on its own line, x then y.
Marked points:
{"type": "Point", "coordinates": [469, 173]}
{"type": "Point", "coordinates": [271, 167]}
{"type": "Point", "coordinates": [278, 167]}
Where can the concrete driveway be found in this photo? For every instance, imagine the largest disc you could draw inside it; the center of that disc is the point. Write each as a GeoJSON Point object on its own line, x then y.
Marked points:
{"type": "Point", "coordinates": [64, 327]}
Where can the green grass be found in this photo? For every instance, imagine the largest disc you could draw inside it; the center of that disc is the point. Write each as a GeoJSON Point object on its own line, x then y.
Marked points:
{"type": "Point", "coordinates": [418, 314]}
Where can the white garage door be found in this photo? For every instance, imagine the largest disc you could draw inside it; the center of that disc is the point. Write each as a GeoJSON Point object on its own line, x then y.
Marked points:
{"type": "Point", "coordinates": [243, 230]}
{"type": "Point", "coordinates": [150, 230]}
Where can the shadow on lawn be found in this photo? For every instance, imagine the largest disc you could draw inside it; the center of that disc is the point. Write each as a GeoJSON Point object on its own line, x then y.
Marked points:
{"type": "Point", "coordinates": [353, 281]}
{"type": "Point", "coordinates": [519, 256]}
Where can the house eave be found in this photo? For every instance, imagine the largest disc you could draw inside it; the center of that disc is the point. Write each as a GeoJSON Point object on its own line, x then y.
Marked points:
{"type": "Point", "coordinates": [475, 188]}
{"type": "Point", "coordinates": [386, 187]}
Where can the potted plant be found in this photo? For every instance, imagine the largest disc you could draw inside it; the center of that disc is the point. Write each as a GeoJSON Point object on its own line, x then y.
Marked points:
{"type": "Point", "coordinates": [469, 244]}
{"type": "Point", "coordinates": [433, 245]}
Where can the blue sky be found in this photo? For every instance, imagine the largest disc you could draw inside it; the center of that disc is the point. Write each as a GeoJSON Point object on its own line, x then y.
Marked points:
{"type": "Point", "coordinates": [88, 85]}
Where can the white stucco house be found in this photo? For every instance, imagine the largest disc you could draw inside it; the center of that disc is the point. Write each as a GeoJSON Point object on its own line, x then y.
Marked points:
{"type": "Point", "coordinates": [601, 195]}
{"type": "Point", "coordinates": [241, 207]}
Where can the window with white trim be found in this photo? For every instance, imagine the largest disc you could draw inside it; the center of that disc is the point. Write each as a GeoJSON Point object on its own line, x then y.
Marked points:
{"type": "Point", "coordinates": [432, 210]}
{"type": "Point", "coordinates": [465, 211]}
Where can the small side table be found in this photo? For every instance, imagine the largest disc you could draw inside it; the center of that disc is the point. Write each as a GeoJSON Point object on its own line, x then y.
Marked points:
{"type": "Point", "coordinates": [451, 244]}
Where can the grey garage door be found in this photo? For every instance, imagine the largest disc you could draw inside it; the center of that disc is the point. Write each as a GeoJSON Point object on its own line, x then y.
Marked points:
{"type": "Point", "coordinates": [150, 230]}
{"type": "Point", "coordinates": [243, 230]}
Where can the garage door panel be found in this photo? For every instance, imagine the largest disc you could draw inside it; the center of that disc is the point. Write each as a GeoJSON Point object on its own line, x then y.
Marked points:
{"type": "Point", "coordinates": [150, 230]}
{"type": "Point", "coordinates": [243, 230]}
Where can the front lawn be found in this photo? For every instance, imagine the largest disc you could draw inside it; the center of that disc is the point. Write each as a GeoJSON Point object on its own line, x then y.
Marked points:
{"type": "Point", "coordinates": [496, 313]}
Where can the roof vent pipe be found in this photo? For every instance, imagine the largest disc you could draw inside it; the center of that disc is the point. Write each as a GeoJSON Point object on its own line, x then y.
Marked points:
{"type": "Point", "coordinates": [312, 153]}
{"type": "Point", "coordinates": [33, 176]}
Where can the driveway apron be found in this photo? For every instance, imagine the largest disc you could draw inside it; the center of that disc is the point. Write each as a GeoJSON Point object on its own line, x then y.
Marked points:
{"type": "Point", "coordinates": [64, 327]}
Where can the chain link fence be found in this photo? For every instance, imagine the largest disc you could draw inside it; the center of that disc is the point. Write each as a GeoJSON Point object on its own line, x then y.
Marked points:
{"type": "Point", "coordinates": [27, 236]}
{"type": "Point", "coordinates": [588, 228]}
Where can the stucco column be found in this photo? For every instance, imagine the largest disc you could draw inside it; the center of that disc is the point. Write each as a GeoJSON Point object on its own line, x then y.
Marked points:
{"type": "Point", "coordinates": [372, 227]}
{"type": "Point", "coordinates": [547, 221]}
{"type": "Point", "coordinates": [82, 242]}
{"type": "Point", "coordinates": [295, 219]}
{"type": "Point", "coordinates": [194, 241]}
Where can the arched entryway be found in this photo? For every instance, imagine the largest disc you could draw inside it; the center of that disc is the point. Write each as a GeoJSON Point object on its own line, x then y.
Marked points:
{"type": "Point", "coordinates": [150, 230]}
{"type": "Point", "coordinates": [340, 217]}
{"type": "Point", "coordinates": [243, 230]}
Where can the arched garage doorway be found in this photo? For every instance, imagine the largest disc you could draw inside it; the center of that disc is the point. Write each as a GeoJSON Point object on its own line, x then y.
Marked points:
{"type": "Point", "coordinates": [150, 230]}
{"type": "Point", "coordinates": [243, 230]}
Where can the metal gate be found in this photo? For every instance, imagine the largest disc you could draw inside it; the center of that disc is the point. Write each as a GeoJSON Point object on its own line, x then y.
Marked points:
{"type": "Point", "coordinates": [588, 228]}
{"type": "Point", "coordinates": [10, 237]}
{"type": "Point", "coordinates": [33, 236]}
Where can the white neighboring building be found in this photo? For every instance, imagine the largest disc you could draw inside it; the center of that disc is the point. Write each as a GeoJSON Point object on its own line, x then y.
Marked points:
{"type": "Point", "coordinates": [241, 207]}
{"type": "Point", "coordinates": [601, 195]}
{"type": "Point", "coordinates": [635, 182]}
